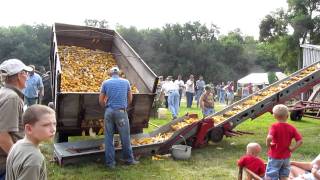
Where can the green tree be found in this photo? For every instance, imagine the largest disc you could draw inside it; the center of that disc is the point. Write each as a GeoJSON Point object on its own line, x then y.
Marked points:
{"type": "Point", "coordinates": [28, 43]}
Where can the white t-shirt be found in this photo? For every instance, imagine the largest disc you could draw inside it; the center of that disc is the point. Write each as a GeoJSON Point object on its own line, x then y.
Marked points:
{"type": "Point", "coordinates": [180, 83]}
{"type": "Point", "coordinates": [168, 86]}
{"type": "Point", "coordinates": [190, 86]}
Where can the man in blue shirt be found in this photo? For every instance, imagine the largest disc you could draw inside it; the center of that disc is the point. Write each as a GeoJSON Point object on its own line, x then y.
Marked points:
{"type": "Point", "coordinates": [34, 88]}
{"type": "Point", "coordinates": [115, 95]}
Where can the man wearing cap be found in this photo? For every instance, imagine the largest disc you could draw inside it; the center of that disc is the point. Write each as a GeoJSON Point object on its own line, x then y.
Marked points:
{"type": "Point", "coordinates": [115, 96]}
{"type": "Point", "coordinates": [15, 74]}
{"type": "Point", "coordinates": [34, 88]}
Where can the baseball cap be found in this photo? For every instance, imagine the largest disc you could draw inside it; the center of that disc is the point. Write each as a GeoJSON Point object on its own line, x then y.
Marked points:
{"type": "Point", "coordinates": [114, 69]}
{"type": "Point", "coordinates": [13, 66]}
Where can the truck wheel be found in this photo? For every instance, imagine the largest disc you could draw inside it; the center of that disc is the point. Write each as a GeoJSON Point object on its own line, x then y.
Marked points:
{"type": "Point", "coordinates": [61, 137]}
{"type": "Point", "coordinates": [296, 115]}
{"type": "Point", "coordinates": [216, 134]}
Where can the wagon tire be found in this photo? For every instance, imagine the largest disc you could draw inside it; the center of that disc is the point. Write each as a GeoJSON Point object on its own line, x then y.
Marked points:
{"type": "Point", "coordinates": [216, 135]}
{"type": "Point", "coordinates": [296, 115]}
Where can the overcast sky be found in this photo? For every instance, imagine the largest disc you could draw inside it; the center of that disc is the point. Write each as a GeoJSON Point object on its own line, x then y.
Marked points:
{"type": "Point", "coordinates": [226, 14]}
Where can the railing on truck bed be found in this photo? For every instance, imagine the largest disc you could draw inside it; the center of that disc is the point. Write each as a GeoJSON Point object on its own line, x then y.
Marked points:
{"type": "Point", "coordinates": [74, 107]}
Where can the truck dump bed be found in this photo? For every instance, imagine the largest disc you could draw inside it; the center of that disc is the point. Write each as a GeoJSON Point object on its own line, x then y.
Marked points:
{"type": "Point", "coordinates": [72, 108]}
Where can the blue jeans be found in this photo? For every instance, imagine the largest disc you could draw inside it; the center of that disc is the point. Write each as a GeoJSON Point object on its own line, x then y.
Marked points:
{"type": "Point", "coordinates": [30, 101]}
{"type": "Point", "coordinates": [2, 175]}
{"type": "Point", "coordinates": [198, 95]}
{"type": "Point", "coordinates": [221, 97]}
{"type": "Point", "coordinates": [117, 119]}
{"type": "Point", "coordinates": [189, 96]}
{"type": "Point", "coordinates": [277, 168]}
{"type": "Point", "coordinates": [207, 111]}
{"type": "Point", "coordinates": [173, 102]}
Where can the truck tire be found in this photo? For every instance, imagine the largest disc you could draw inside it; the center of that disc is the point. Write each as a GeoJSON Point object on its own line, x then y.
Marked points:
{"type": "Point", "coordinates": [296, 115]}
{"type": "Point", "coordinates": [216, 134]}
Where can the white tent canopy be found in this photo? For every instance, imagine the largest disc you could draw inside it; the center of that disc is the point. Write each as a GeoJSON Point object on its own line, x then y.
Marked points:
{"type": "Point", "coordinates": [258, 78]}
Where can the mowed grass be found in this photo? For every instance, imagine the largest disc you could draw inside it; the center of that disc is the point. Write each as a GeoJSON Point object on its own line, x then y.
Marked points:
{"type": "Point", "coordinates": [214, 161]}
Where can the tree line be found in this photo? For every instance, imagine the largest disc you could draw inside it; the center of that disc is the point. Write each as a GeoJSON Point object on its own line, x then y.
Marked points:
{"type": "Point", "coordinates": [193, 47]}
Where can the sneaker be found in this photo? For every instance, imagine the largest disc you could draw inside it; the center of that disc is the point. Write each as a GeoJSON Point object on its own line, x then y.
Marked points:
{"type": "Point", "coordinates": [134, 162]}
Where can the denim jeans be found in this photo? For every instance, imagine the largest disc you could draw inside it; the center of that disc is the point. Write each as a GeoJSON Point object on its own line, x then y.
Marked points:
{"type": "Point", "coordinates": [207, 111]}
{"type": "Point", "coordinates": [173, 101]}
{"type": "Point", "coordinates": [180, 94]}
{"type": "Point", "coordinates": [277, 168]}
{"type": "Point", "coordinates": [189, 96]}
{"type": "Point", "coordinates": [2, 175]}
{"type": "Point", "coordinates": [222, 96]}
{"type": "Point", "coordinates": [117, 119]}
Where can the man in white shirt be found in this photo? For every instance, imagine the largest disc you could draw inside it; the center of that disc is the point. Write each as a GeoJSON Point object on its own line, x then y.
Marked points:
{"type": "Point", "coordinates": [190, 91]}
{"type": "Point", "coordinates": [173, 97]}
{"type": "Point", "coordinates": [180, 83]}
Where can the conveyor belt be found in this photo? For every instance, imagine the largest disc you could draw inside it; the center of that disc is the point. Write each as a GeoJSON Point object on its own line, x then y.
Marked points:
{"type": "Point", "coordinates": [263, 101]}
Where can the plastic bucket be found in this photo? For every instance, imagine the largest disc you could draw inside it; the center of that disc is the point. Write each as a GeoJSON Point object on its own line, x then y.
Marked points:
{"type": "Point", "coordinates": [162, 113]}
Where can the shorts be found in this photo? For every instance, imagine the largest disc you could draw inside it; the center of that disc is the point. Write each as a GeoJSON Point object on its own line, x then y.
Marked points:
{"type": "Point", "coordinates": [277, 168]}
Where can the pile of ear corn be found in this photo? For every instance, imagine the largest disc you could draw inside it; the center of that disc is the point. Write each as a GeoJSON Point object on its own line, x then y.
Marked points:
{"type": "Point", "coordinates": [84, 70]}
{"type": "Point", "coordinates": [163, 136]}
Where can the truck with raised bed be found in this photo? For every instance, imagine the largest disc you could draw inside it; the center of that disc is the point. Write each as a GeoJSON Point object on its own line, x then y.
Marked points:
{"type": "Point", "coordinates": [77, 111]}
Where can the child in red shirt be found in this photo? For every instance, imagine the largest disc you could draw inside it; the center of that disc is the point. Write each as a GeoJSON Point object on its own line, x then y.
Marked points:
{"type": "Point", "coordinates": [279, 144]}
{"type": "Point", "coordinates": [251, 160]}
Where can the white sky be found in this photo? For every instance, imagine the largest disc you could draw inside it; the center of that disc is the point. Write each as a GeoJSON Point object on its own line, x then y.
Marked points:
{"type": "Point", "coordinates": [226, 14]}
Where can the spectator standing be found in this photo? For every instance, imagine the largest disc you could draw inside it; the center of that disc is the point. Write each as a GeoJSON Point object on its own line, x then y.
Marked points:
{"type": "Point", "coordinates": [222, 93]}
{"type": "Point", "coordinates": [207, 101]}
{"type": "Point", "coordinates": [199, 88]}
{"type": "Point", "coordinates": [230, 93]}
{"type": "Point", "coordinates": [115, 96]}
{"type": "Point", "coordinates": [245, 91]}
{"type": "Point", "coordinates": [25, 160]}
{"type": "Point", "coordinates": [218, 88]}
{"type": "Point", "coordinates": [180, 83]}
{"type": "Point", "coordinates": [164, 90]}
{"type": "Point", "coordinates": [190, 91]}
{"type": "Point", "coordinates": [34, 90]}
{"type": "Point", "coordinates": [11, 107]}
{"type": "Point", "coordinates": [278, 142]}
{"type": "Point", "coordinates": [173, 97]}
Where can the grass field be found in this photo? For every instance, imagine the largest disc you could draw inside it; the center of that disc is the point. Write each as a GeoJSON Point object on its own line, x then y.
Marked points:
{"type": "Point", "coordinates": [215, 161]}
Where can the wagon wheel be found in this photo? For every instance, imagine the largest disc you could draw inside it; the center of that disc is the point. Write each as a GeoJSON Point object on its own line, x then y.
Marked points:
{"type": "Point", "coordinates": [296, 115]}
{"type": "Point", "coordinates": [216, 134]}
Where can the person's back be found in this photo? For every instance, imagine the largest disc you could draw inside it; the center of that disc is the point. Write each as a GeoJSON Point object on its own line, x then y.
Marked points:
{"type": "Point", "coordinates": [25, 161]}
{"type": "Point", "coordinates": [279, 143]}
{"type": "Point", "coordinates": [117, 89]}
{"type": "Point", "coordinates": [283, 133]}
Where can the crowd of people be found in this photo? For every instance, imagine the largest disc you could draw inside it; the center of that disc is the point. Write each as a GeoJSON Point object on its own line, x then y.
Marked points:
{"type": "Point", "coordinates": [204, 94]}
